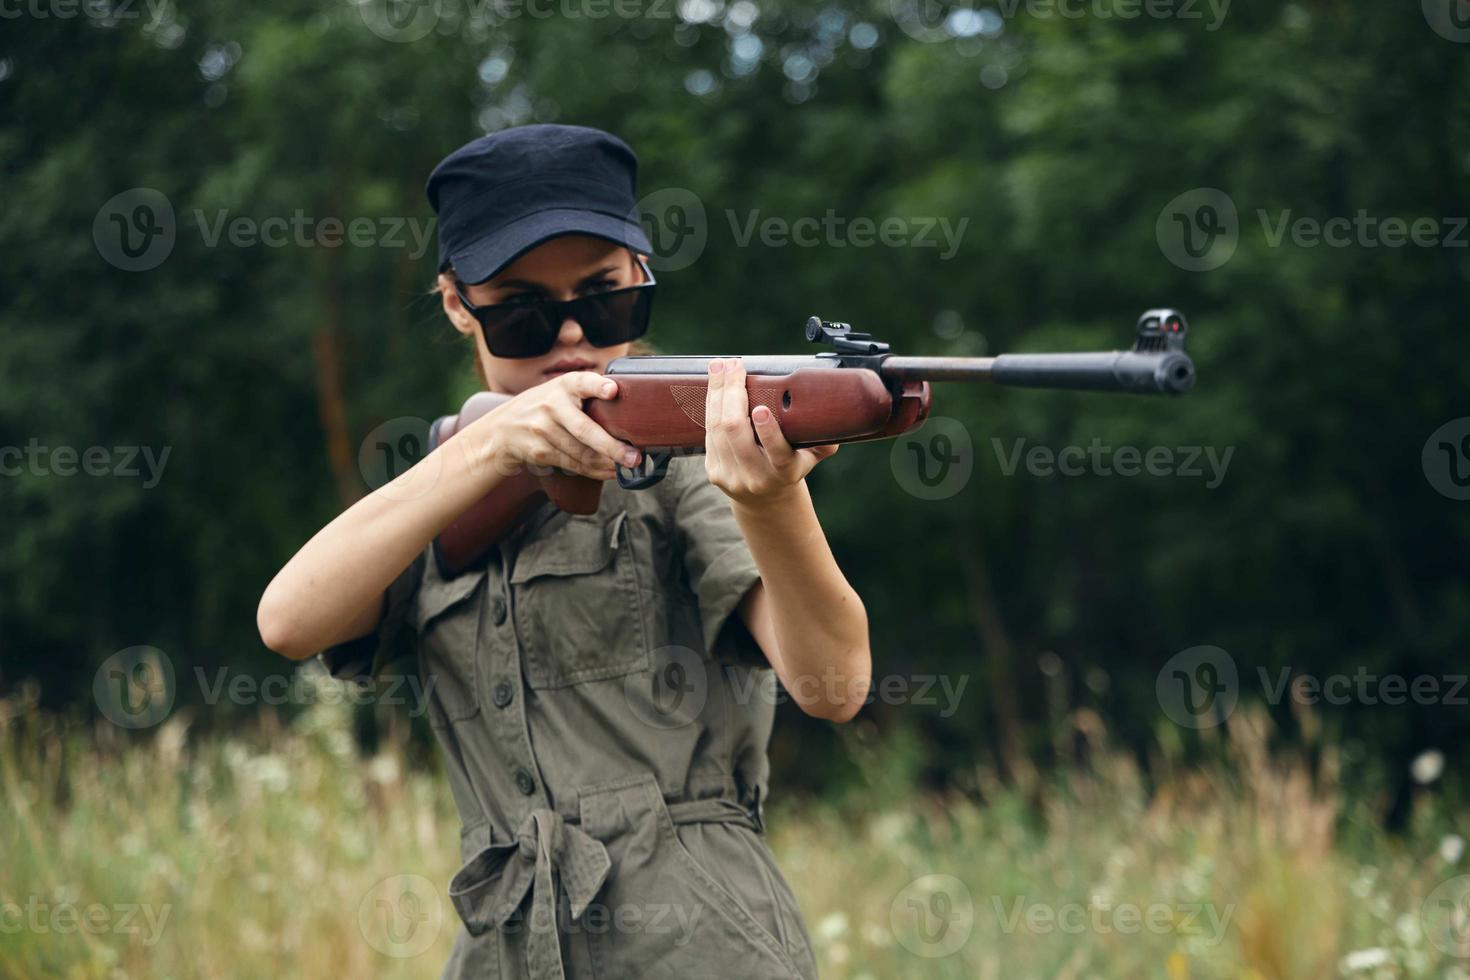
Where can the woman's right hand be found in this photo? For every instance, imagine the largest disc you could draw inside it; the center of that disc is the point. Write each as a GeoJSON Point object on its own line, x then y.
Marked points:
{"type": "Point", "coordinates": [546, 426]}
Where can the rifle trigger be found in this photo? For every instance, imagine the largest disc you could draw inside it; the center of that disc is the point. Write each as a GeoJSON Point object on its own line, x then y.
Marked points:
{"type": "Point", "coordinates": [646, 476]}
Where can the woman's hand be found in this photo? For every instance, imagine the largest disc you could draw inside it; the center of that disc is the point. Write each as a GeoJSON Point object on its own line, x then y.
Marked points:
{"type": "Point", "coordinates": [546, 426]}
{"type": "Point", "coordinates": [751, 473]}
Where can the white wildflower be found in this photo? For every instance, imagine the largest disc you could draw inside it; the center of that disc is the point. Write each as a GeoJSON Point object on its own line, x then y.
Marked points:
{"type": "Point", "coordinates": [832, 927]}
{"type": "Point", "coordinates": [1427, 766]}
{"type": "Point", "coordinates": [1364, 959]}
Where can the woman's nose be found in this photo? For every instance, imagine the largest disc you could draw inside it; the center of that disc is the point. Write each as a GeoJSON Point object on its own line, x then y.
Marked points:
{"type": "Point", "coordinates": [571, 332]}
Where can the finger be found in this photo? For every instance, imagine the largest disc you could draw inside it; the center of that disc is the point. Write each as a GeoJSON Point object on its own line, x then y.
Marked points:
{"type": "Point", "coordinates": [736, 402]}
{"type": "Point", "coordinates": [822, 452]}
{"type": "Point", "coordinates": [550, 457]}
{"type": "Point", "coordinates": [594, 437]}
{"type": "Point", "coordinates": [589, 384]}
{"type": "Point", "coordinates": [740, 447]}
{"type": "Point", "coordinates": [772, 439]}
{"type": "Point", "coordinates": [577, 456]}
{"type": "Point", "coordinates": [714, 392]}
{"type": "Point", "coordinates": [714, 407]}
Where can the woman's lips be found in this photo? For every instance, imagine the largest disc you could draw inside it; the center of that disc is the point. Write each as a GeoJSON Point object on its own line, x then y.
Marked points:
{"type": "Point", "coordinates": [561, 367]}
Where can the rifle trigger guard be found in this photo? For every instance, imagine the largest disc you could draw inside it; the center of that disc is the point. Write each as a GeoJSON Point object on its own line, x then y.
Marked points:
{"type": "Point", "coordinates": [642, 479]}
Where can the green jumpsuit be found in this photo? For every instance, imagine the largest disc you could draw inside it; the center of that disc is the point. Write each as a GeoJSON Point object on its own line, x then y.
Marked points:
{"type": "Point", "coordinates": [604, 716]}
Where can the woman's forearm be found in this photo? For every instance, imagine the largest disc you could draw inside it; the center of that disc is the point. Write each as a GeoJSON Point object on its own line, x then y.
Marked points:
{"type": "Point", "coordinates": [331, 590]}
{"type": "Point", "coordinates": [816, 619]}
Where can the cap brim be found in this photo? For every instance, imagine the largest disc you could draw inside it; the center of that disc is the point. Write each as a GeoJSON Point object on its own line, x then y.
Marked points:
{"type": "Point", "coordinates": [495, 251]}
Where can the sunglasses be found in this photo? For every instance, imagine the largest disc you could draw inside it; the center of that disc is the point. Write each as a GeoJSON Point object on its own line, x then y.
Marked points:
{"type": "Point", "coordinates": [529, 328]}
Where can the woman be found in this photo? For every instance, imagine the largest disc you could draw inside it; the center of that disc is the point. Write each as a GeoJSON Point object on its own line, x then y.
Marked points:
{"type": "Point", "coordinates": [599, 684]}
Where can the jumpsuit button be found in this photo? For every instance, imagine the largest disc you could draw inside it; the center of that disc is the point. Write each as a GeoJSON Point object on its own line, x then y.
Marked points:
{"type": "Point", "coordinates": [525, 783]}
{"type": "Point", "coordinates": [503, 694]}
{"type": "Point", "coordinates": [497, 610]}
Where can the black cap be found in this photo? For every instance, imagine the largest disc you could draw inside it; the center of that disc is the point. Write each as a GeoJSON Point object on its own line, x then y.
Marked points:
{"type": "Point", "coordinates": [506, 193]}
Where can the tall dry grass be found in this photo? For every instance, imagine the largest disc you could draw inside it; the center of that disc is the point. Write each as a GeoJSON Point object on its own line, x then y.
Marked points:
{"type": "Point", "coordinates": [264, 855]}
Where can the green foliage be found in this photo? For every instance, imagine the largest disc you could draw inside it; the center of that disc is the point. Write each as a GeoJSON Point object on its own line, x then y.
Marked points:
{"type": "Point", "coordinates": [1058, 141]}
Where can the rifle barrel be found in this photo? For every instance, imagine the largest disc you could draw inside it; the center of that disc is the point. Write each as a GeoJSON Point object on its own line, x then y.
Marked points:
{"type": "Point", "coordinates": [937, 368]}
{"type": "Point", "coordinates": [1168, 372]}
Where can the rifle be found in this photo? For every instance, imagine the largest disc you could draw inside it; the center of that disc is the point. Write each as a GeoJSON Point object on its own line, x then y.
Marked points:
{"type": "Point", "coordinates": [856, 392]}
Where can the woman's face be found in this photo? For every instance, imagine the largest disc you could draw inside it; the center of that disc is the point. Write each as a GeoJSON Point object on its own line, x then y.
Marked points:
{"type": "Point", "coordinates": [562, 269]}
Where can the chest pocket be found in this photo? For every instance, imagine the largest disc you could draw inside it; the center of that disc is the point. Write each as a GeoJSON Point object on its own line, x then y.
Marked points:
{"type": "Point", "coordinates": [447, 618]}
{"type": "Point", "coordinates": [578, 605]}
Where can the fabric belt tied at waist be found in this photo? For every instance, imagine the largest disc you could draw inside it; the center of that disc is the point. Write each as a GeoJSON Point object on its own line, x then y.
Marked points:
{"type": "Point", "coordinates": [549, 848]}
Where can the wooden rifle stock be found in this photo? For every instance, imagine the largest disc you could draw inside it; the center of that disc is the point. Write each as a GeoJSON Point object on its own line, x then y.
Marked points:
{"type": "Point", "coordinates": [663, 415]}
{"type": "Point", "coordinates": [854, 393]}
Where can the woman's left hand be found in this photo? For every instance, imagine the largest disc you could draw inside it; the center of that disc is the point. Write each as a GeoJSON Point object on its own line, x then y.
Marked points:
{"type": "Point", "coordinates": [750, 472]}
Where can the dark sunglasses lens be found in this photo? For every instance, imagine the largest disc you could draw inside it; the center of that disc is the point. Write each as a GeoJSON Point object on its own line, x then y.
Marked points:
{"type": "Point", "coordinates": [519, 330]}
{"type": "Point", "coordinates": [614, 317]}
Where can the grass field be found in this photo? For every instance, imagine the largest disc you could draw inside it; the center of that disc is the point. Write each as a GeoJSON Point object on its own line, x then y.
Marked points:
{"type": "Point", "coordinates": [266, 855]}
